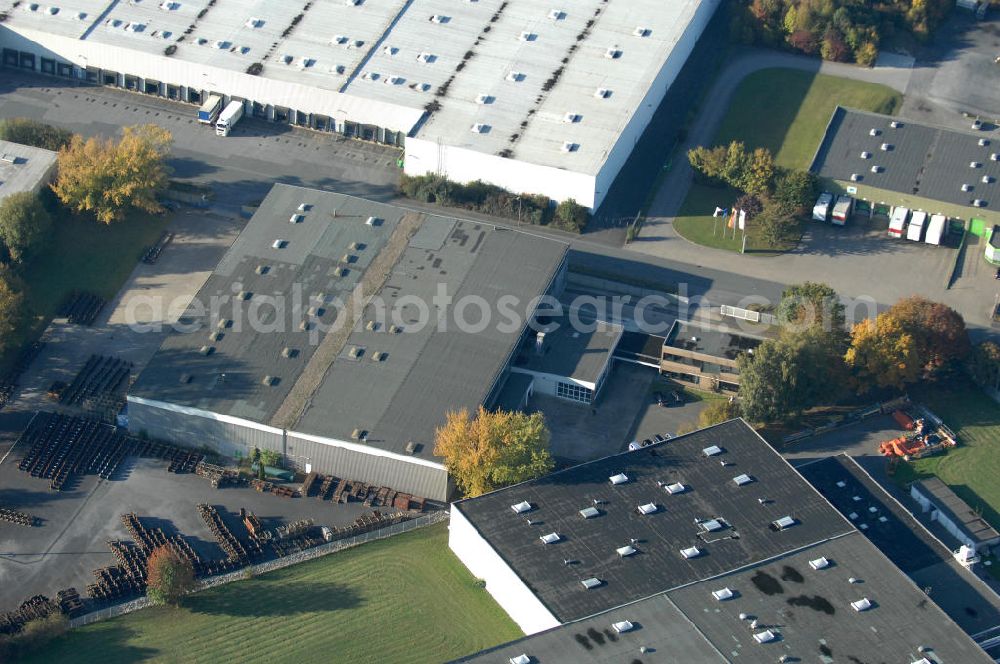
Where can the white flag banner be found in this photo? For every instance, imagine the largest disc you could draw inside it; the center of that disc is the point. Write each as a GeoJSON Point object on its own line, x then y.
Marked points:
{"type": "Point", "coordinates": [743, 219]}
{"type": "Point", "coordinates": [719, 212]}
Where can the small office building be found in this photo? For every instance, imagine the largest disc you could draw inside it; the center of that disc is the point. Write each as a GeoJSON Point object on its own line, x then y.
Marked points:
{"type": "Point", "coordinates": [954, 515]}
{"type": "Point", "coordinates": [705, 355]}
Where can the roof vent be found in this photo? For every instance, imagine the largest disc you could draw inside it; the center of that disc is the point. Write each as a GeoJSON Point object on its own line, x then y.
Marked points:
{"type": "Point", "coordinates": [427, 58]}
{"type": "Point", "coordinates": [289, 352]}
{"type": "Point", "coordinates": [570, 118]}
{"type": "Point", "coordinates": [379, 356]}
{"type": "Point", "coordinates": [966, 187]}
{"type": "Point", "coordinates": [642, 32]}
{"type": "Point", "coordinates": [485, 99]}
{"type": "Point", "coordinates": [876, 169]}
{"type": "Point", "coordinates": [557, 14]}
{"type": "Point", "coordinates": [590, 512]}
{"type": "Point", "coordinates": [712, 450]}
{"type": "Point", "coordinates": [480, 128]}
{"type": "Point", "coordinates": [244, 295]}
{"type": "Point", "coordinates": [783, 522]}
{"type": "Point", "coordinates": [648, 508]}
{"type": "Point", "coordinates": [885, 147]}
{"type": "Point", "coordinates": [263, 269]}
{"type": "Point", "coordinates": [224, 323]}
{"type": "Point", "coordinates": [440, 18]}
{"type": "Point", "coordinates": [355, 351]}
{"type": "Point", "coordinates": [522, 658]}
{"type": "Point", "coordinates": [722, 594]}
{"type": "Point", "coordinates": [295, 219]}
{"type": "Point", "coordinates": [742, 480]}
{"type": "Point", "coordinates": [270, 380]}
{"type": "Point", "coordinates": [674, 488]}
{"type": "Point", "coordinates": [613, 53]}
{"type": "Point", "coordinates": [691, 552]}
{"type": "Point", "coordinates": [515, 76]}
{"type": "Point", "coordinates": [866, 154]}
{"type": "Point", "coordinates": [186, 378]}
{"type": "Point", "coordinates": [215, 336]}
{"type": "Point", "coordinates": [995, 156]}
{"type": "Point", "coordinates": [855, 177]}
{"type": "Point", "coordinates": [206, 350]}
{"type": "Point", "coordinates": [974, 164]}
{"type": "Point", "coordinates": [765, 637]}
{"type": "Point", "coordinates": [874, 132]}
{"type": "Point", "coordinates": [895, 124]}
{"type": "Point", "coordinates": [591, 583]}
{"type": "Point", "coordinates": [620, 478]}
{"type": "Point", "coordinates": [819, 563]}
{"type": "Point", "coordinates": [862, 604]}
{"type": "Point", "coordinates": [626, 551]}
{"type": "Point", "coordinates": [602, 93]}
{"type": "Point", "coordinates": [569, 146]}
{"type": "Point", "coordinates": [987, 179]}
{"type": "Point", "coordinates": [711, 525]}
{"type": "Point", "coordinates": [979, 203]}
{"type": "Point", "coordinates": [622, 626]}
{"type": "Point", "coordinates": [550, 538]}
{"type": "Point", "coordinates": [411, 447]}
{"type": "Point", "coordinates": [983, 142]}
{"type": "Point", "coordinates": [526, 36]}
{"type": "Point", "coordinates": [522, 507]}
{"type": "Point", "coordinates": [373, 221]}
{"type": "Point", "coordinates": [279, 244]}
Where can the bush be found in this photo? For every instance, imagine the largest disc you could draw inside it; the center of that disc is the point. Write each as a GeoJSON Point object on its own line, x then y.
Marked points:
{"type": "Point", "coordinates": [24, 225]}
{"type": "Point", "coordinates": [34, 133]}
{"type": "Point", "coordinates": [270, 458]}
{"type": "Point", "coordinates": [717, 411]}
{"type": "Point", "coordinates": [776, 224]}
{"type": "Point", "coordinates": [478, 196]}
{"type": "Point", "coordinates": [34, 635]}
{"type": "Point", "coordinates": [796, 189]}
{"type": "Point", "coordinates": [570, 216]}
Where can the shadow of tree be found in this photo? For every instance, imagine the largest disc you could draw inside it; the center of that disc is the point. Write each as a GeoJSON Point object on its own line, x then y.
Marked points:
{"type": "Point", "coordinates": [109, 642]}
{"type": "Point", "coordinates": [273, 596]}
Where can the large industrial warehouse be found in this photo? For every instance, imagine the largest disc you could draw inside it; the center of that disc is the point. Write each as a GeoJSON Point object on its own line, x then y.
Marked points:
{"type": "Point", "coordinates": [274, 354]}
{"type": "Point", "coordinates": [709, 548]}
{"type": "Point", "coordinates": [535, 97]}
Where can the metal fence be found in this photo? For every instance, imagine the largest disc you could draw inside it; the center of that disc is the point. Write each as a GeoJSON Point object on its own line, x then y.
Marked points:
{"type": "Point", "coordinates": [262, 568]}
{"type": "Point", "coordinates": [748, 315]}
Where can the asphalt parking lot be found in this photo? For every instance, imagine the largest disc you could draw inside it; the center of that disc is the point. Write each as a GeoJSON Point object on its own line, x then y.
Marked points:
{"type": "Point", "coordinates": [860, 439]}
{"type": "Point", "coordinates": [965, 598]}
{"type": "Point", "coordinates": [76, 524]}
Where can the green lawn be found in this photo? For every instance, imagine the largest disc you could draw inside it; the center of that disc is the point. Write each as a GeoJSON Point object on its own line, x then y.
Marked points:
{"type": "Point", "coordinates": [82, 254]}
{"type": "Point", "coordinates": [405, 599]}
{"type": "Point", "coordinates": [972, 469]}
{"type": "Point", "coordinates": [786, 111]}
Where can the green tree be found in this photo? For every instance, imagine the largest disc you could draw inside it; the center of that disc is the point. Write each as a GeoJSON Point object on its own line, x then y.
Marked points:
{"type": "Point", "coordinates": [108, 178]}
{"type": "Point", "coordinates": [882, 354]}
{"type": "Point", "coordinates": [571, 216]}
{"type": "Point", "coordinates": [795, 189]}
{"type": "Point", "coordinates": [11, 309]}
{"type": "Point", "coordinates": [776, 224]}
{"type": "Point", "coordinates": [708, 162]}
{"type": "Point", "coordinates": [813, 304]}
{"type": "Point", "coordinates": [168, 576]}
{"type": "Point", "coordinates": [37, 134]}
{"type": "Point", "coordinates": [24, 225]}
{"type": "Point", "coordinates": [494, 449]}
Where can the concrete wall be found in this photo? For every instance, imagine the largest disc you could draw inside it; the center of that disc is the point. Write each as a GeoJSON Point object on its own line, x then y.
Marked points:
{"type": "Point", "coordinates": [236, 437]}
{"type": "Point", "coordinates": [502, 583]}
{"type": "Point", "coordinates": [464, 165]}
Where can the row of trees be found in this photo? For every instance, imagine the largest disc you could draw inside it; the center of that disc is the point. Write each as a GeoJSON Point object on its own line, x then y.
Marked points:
{"type": "Point", "coordinates": [839, 30]}
{"type": "Point", "coordinates": [772, 198]}
{"type": "Point", "coordinates": [815, 360]}
{"type": "Point", "coordinates": [493, 200]}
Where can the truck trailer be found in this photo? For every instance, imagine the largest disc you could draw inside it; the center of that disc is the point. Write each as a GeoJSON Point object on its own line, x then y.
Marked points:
{"type": "Point", "coordinates": [935, 229]}
{"type": "Point", "coordinates": [915, 231]}
{"type": "Point", "coordinates": [821, 211]}
{"type": "Point", "coordinates": [210, 109]}
{"type": "Point", "coordinates": [229, 117]}
{"type": "Point", "coordinates": [842, 210]}
{"type": "Point", "coordinates": [897, 222]}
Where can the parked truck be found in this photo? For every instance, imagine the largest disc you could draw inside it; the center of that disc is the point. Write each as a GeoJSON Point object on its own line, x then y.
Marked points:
{"type": "Point", "coordinates": [229, 117]}
{"type": "Point", "coordinates": [897, 222]}
{"type": "Point", "coordinates": [821, 211]}
{"type": "Point", "coordinates": [935, 229]}
{"type": "Point", "coordinates": [915, 231]}
{"type": "Point", "coordinates": [842, 210]}
{"type": "Point", "coordinates": [210, 109]}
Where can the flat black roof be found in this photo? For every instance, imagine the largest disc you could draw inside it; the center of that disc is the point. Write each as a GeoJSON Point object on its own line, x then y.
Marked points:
{"type": "Point", "coordinates": [957, 510]}
{"type": "Point", "coordinates": [894, 531]}
{"type": "Point", "coordinates": [808, 610]}
{"type": "Point", "coordinates": [745, 514]}
{"type": "Point", "coordinates": [713, 341]}
{"type": "Point", "coordinates": [379, 380]}
{"type": "Point", "coordinates": [924, 161]}
{"type": "Point", "coordinates": [574, 351]}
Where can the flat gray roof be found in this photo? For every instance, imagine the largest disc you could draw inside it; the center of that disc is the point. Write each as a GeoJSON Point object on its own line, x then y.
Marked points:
{"type": "Point", "coordinates": [957, 510]}
{"type": "Point", "coordinates": [922, 160]}
{"type": "Point", "coordinates": [402, 377]}
{"type": "Point", "coordinates": [23, 168]}
{"type": "Point", "coordinates": [579, 352]}
{"type": "Point", "coordinates": [744, 536]}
